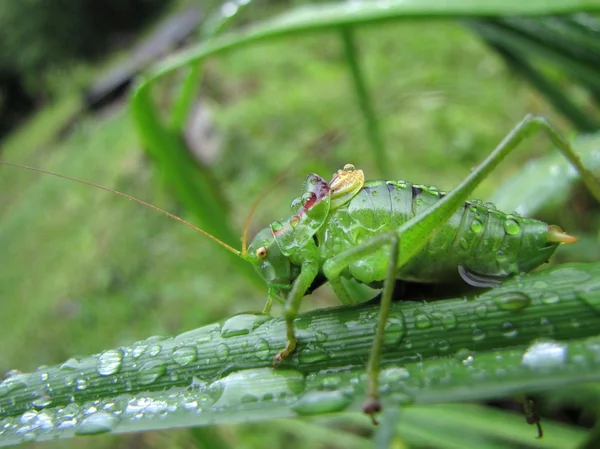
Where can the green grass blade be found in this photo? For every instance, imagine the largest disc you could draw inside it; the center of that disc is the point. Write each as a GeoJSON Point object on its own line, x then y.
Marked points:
{"type": "Point", "coordinates": [580, 118]}
{"type": "Point", "coordinates": [364, 101]}
{"type": "Point", "coordinates": [194, 187]}
{"type": "Point", "coordinates": [308, 19]}
{"type": "Point", "coordinates": [452, 350]}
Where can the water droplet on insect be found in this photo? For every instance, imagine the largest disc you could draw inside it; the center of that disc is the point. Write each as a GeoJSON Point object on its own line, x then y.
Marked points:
{"type": "Point", "coordinates": [349, 167]}
{"type": "Point", "coordinates": [296, 205]}
{"type": "Point", "coordinates": [509, 330]}
{"type": "Point", "coordinates": [276, 226]}
{"type": "Point", "coordinates": [374, 193]}
{"type": "Point", "coordinates": [222, 352]}
{"type": "Point", "coordinates": [185, 355]}
{"type": "Point", "coordinates": [511, 227]}
{"type": "Point", "coordinates": [312, 181]}
{"type": "Point", "coordinates": [261, 349]}
{"type": "Point", "coordinates": [151, 371]}
{"type": "Point", "coordinates": [489, 206]}
{"type": "Point", "coordinates": [478, 335]}
{"type": "Point", "coordinates": [307, 197]}
{"type": "Point", "coordinates": [545, 354]}
{"type": "Point", "coordinates": [109, 362]}
{"type": "Point", "coordinates": [476, 226]}
{"type": "Point", "coordinates": [419, 202]}
{"type": "Point", "coordinates": [422, 320]}
{"type": "Point", "coordinates": [318, 402]}
{"type": "Point", "coordinates": [512, 301]}
{"type": "Point", "coordinates": [96, 423]}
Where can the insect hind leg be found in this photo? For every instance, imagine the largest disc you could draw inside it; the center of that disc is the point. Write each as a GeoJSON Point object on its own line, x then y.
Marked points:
{"type": "Point", "coordinates": [372, 404]}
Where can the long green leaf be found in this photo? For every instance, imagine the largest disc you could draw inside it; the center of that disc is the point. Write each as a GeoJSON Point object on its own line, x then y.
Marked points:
{"type": "Point", "coordinates": [533, 333]}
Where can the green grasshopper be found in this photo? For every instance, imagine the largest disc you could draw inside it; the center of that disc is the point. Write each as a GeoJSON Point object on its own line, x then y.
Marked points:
{"type": "Point", "coordinates": [378, 231]}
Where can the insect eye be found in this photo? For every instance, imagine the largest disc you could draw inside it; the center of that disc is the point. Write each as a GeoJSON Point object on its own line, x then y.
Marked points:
{"type": "Point", "coordinates": [261, 252]}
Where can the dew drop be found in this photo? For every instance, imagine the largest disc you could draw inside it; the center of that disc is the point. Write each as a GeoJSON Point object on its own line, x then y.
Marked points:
{"type": "Point", "coordinates": [318, 402]}
{"type": "Point", "coordinates": [545, 354]}
{"type": "Point", "coordinates": [422, 320]}
{"type": "Point", "coordinates": [447, 319]}
{"type": "Point", "coordinates": [321, 336]}
{"type": "Point", "coordinates": [151, 371]}
{"type": "Point", "coordinates": [550, 298]}
{"type": "Point", "coordinates": [511, 227]}
{"type": "Point", "coordinates": [312, 355]}
{"type": "Point", "coordinates": [394, 375]}
{"type": "Point", "coordinates": [154, 350]}
{"type": "Point", "coordinates": [276, 226]}
{"type": "Point", "coordinates": [185, 355]}
{"type": "Point", "coordinates": [512, 301]}
{"type": "Point", "coordinates": [509, 330]}
{"type": "Point", "coordinates": [307, 197]}
{"type": "Point", "coordinates": [81, 383]}
{"type": "Point", "coordinates": [296, 205]}
{"type": "Point", "coordinates": [419, 202]}
{"type": "Point", "coordinates": [96, 423]}
{"type": "Point", "coordinates": [395, 330]}
{"type": "Point", "coordinates": [261, 349]}
{"type": "Point", "coordinates": [42, 399]}
{"type": "Point", "coordinates": [222, 352]}
{"type": "Point", "coordinates": [109, 362]}
{"type": "Point", "coordinates": [478, 335]}
{"type": "Point", "coordinates": [480, 310]}
{"type": "Point", "coordinates": [476, 226]}
{"type": "Point", "coordinates": [138, 351]}
{"type": "Point", "coordinates": [242, 324]}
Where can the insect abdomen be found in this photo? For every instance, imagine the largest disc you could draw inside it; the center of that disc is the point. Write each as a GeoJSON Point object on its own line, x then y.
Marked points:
{"type": "Point", "coordinates": [478, 237]}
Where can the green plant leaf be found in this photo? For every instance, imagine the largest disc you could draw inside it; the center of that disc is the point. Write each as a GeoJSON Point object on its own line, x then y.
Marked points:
{"type": "Point", "coordinates": [546, 183]}
{"type": "Point", "coordinates": [533, 333]}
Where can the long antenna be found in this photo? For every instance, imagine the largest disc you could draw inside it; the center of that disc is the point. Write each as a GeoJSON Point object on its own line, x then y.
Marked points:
{"type": "Point", "coordinates": [124, 195]}
{"type": "Point", "coordinates": [255, 204]}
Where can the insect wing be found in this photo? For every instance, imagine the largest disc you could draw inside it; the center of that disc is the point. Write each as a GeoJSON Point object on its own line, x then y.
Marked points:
{"type": "Point", "coordinates": [310, 212]}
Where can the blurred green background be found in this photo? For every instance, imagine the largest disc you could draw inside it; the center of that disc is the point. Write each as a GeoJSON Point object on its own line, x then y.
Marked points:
{"type": "Point", "coordinates": [83, 270]}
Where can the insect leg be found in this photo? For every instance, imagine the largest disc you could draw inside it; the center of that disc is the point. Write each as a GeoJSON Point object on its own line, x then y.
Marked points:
{"type": "Point", "coordinates": [372, 404]}
{"type": "Point", "coordinates": [309, 271]}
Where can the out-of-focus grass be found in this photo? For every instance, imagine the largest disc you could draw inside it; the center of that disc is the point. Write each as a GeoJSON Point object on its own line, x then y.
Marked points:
{"type": "Point", "coordinates": [78, 262]}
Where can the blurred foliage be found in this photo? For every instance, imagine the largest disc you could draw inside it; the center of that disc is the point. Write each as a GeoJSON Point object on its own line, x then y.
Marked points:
{"type": "Point", "coordinates": [42, 40]}
{"type": "Point", "coordinates": [57, 32]}
{"type": "Point", "coordinates": [558, 55]}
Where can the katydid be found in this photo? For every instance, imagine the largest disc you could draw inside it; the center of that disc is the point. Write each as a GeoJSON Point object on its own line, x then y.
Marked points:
{"type": "Point", "coordinates": [378, 231]}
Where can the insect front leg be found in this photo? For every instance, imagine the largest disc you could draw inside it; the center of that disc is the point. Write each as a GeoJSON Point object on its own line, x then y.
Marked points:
{"type": "Point", "coordinates": [308, 273]}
